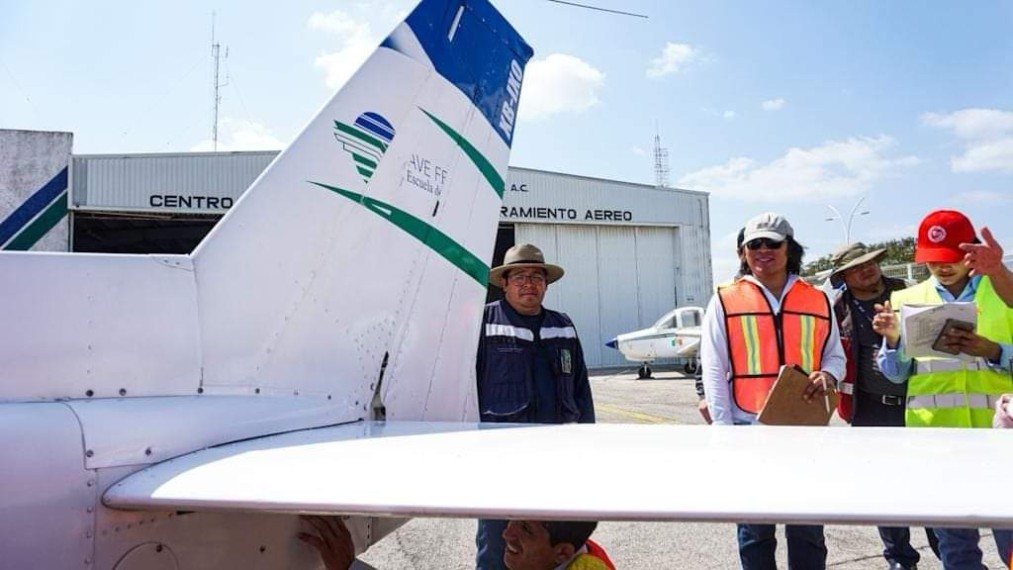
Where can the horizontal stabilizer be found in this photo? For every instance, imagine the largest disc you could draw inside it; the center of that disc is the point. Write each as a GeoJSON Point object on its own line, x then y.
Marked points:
{"type": "Point", "coordinates": [604, 472]}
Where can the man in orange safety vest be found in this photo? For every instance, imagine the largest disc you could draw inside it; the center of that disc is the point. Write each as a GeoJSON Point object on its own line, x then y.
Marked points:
{"type": "Point", "coordinates": [768, 318]}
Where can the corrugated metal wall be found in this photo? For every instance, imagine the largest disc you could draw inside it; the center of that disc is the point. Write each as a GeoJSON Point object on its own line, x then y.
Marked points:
{"type": "Point", "coordinates": [618, 279]}
{"type": "Point", "coordinates": [128, 182]}
{"type": "Point", "coordinates": [659, 268]}
{"type": "Point", "coordinates": [645, 205]}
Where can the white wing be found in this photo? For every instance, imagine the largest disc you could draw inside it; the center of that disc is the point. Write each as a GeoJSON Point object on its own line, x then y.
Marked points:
{"type": "Point", "coordinates": [606, 472]}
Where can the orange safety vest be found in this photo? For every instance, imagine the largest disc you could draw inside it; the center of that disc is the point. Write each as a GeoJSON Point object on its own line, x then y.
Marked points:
{"type": "Point", "coordinates": [760, 342]}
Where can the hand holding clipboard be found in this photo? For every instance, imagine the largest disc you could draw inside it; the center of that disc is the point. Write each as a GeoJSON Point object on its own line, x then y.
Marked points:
{"type": "Point", "coordinates": [800, 399]}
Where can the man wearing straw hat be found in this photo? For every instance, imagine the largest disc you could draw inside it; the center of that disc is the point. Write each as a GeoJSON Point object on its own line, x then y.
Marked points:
{"type": "Point", "coordinates": [530, 366]}
{"type": "Point", "coordinates": [877, 401]}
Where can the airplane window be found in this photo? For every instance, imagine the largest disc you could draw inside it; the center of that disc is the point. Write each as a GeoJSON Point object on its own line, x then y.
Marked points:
{"type": "Point", "coordinates": [667, 321]}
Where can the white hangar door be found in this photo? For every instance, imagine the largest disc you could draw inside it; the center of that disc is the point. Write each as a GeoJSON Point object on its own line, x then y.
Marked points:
{"type": "Point", "coordinates": [618, 279]}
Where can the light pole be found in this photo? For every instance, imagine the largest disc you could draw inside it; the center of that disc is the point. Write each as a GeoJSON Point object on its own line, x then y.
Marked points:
{"type": "Point", "coordinates": [847, 226]}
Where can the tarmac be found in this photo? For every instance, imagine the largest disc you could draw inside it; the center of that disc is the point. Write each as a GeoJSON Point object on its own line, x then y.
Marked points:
{"type": "Point", "coordinates": [669, 397]}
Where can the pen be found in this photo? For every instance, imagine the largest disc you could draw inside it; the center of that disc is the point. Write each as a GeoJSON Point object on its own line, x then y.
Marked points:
{"type": "Point", "coordinates": [826, 395]}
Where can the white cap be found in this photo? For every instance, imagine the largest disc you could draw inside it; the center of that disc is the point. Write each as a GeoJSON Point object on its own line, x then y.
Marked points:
{"type": "Point", "coordinates": [768, 225]}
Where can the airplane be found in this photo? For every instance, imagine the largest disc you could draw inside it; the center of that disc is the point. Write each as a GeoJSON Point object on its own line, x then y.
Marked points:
{"type": "Point", "coordinates": [315, 354]}
{"type": "Point", "coordinates": [346, 286]}
{"type": "Point", "coordinates": [674, 335]}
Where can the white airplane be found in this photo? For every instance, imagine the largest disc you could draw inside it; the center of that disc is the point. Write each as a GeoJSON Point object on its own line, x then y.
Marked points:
{"type": "Point", "coordinates": [315, 354]}
{"type": "Point", "coordinates": [674, 335]}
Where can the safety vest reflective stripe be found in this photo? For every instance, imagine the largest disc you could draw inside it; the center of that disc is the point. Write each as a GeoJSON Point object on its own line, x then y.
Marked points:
{"type": "Point", "coordinates": [811, 331]}
{"type": "Point", "coordinates": [947, 365]}
{"type": "Point", "coordinates": [751, 336]}
{"type": "Point", "coordinates": [557, 332]}
{"type": "Point", "coordinates": [938, 401]}
{"type": "Point", "coordinates": [807, 324]}
{"type": "Point", "coordinates": [509, 331]}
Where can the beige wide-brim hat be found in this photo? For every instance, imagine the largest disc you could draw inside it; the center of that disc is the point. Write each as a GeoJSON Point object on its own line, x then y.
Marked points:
{"type": "Point", "coordinates": [521, 256]}
{"type": "Point", "coordinates": [853, 255]}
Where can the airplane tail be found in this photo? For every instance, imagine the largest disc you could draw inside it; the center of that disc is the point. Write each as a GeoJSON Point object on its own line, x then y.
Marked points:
{"type": "Point", "coordinates": [360, 255]}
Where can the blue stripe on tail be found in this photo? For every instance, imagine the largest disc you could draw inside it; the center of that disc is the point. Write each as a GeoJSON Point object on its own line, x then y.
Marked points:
{"type": "Point", "coordinates": [483, 55]}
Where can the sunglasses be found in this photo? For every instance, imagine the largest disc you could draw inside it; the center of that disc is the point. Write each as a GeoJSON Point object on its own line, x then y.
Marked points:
{"type": "Point", "coordinates": [755, 244]}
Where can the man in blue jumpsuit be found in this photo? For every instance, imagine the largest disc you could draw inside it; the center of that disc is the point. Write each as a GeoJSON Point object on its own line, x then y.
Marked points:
{"type": "Point", "coordinates": [530, 366]}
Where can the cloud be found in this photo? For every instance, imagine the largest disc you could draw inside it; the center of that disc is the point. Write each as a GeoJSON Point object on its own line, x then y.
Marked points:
{"type": "Point", "coordinates": [560, 83]}
{"type": "Point", "coordinates": [773, 104]}
{"type": "Point", "coordinates": [235, 134]}
{"type": "Point", "coordinates": [674, 57]}
{"type": "Point", "coordinates": [727, 114]}
{"type": "Point", "coordinates": [981, 197]}
{"type": "Point", "coordinates": [988, 136]}
{"type": "Point", "coordinates": [356, 41]}
{"type": "Point", "coordinates": [638, 151]}
{"type": "Point", "coordinates": [832, 170]}
{"type": "Point", "coordinates": [338, 22]}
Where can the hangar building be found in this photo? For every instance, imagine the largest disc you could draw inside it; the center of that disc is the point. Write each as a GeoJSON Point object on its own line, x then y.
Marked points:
{"type": "Point", "coordinates": [631, 251]}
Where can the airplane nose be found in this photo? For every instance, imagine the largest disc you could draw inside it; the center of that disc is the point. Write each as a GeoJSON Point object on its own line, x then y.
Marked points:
{"type": "Point", "coordinates": [614, 343]}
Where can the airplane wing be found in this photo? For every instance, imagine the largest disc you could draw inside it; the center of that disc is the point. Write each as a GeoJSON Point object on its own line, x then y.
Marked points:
{"type": "Point", "coordinates": [609, 472]}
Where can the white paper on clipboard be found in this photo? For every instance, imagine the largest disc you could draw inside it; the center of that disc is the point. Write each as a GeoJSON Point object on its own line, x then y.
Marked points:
{"type": "Point", "coordinates": [921, 324]}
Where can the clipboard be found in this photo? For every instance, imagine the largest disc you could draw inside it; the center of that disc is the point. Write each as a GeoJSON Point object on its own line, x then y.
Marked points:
{"type": "Point", "coordinates": [922, 325]}
{"type": "Point", "coordinates": [785, 406]}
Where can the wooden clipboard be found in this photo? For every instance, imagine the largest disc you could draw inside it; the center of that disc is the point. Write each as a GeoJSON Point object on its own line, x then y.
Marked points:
{"type": "Point", "coordinates": [785, 406]}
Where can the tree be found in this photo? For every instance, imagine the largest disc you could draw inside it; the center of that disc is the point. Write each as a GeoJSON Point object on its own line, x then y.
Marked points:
{"type": "Point", "coordinates": [898, 251]}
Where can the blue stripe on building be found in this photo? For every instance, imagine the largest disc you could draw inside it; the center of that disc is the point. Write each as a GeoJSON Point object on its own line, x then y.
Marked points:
{"type": "Point", "coordinates": [33, 206]}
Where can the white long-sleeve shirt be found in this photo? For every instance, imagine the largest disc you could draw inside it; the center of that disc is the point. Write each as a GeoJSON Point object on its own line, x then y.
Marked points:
{"type": "Point", "coordinates": [716, 365]}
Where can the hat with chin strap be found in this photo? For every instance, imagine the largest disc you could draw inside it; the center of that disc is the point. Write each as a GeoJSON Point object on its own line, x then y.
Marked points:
{"type": "Point", "coordinates": [523, 256]}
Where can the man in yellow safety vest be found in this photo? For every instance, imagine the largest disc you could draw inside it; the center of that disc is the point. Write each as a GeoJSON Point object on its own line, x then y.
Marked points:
{"type": "Point", "coordinates": [952, 392]}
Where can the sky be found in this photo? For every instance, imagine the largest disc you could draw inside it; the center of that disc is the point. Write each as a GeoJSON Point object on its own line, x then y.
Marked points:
{"type": "Point", "coordinates": [885, 109]}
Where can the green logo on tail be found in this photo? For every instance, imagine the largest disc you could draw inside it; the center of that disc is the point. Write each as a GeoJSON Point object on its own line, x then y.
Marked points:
{"type": "Point", "coordinates": [366, 140]}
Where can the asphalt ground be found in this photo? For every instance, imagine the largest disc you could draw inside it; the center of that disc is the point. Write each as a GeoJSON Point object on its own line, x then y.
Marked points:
{"type": "Point", "coordinates": [442, 544]}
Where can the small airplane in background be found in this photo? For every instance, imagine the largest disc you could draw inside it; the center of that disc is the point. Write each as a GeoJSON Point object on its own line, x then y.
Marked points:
{"type": "Point", "coordinates": [674, 335]}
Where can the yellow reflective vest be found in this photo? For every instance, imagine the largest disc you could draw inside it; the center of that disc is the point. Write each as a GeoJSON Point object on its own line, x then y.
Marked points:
{"type": "Point", "coordinates": [947, 392]}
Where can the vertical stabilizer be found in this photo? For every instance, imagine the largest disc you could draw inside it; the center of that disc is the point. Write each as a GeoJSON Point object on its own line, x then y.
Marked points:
{"type": "Point", "coordinates": [370, 235]}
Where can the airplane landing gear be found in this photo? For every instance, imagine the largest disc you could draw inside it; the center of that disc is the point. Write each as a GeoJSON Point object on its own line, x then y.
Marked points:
{"type": "Point", "coordinates": [644, 371]}
{"type": "Point", "coordinates": [691, 367]}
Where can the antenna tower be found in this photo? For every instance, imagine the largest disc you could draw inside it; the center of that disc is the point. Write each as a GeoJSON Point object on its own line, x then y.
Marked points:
{"type": "Point", "coordinates": [216, 56]}
{"type": "Point", "coordinates": [660, 162]}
